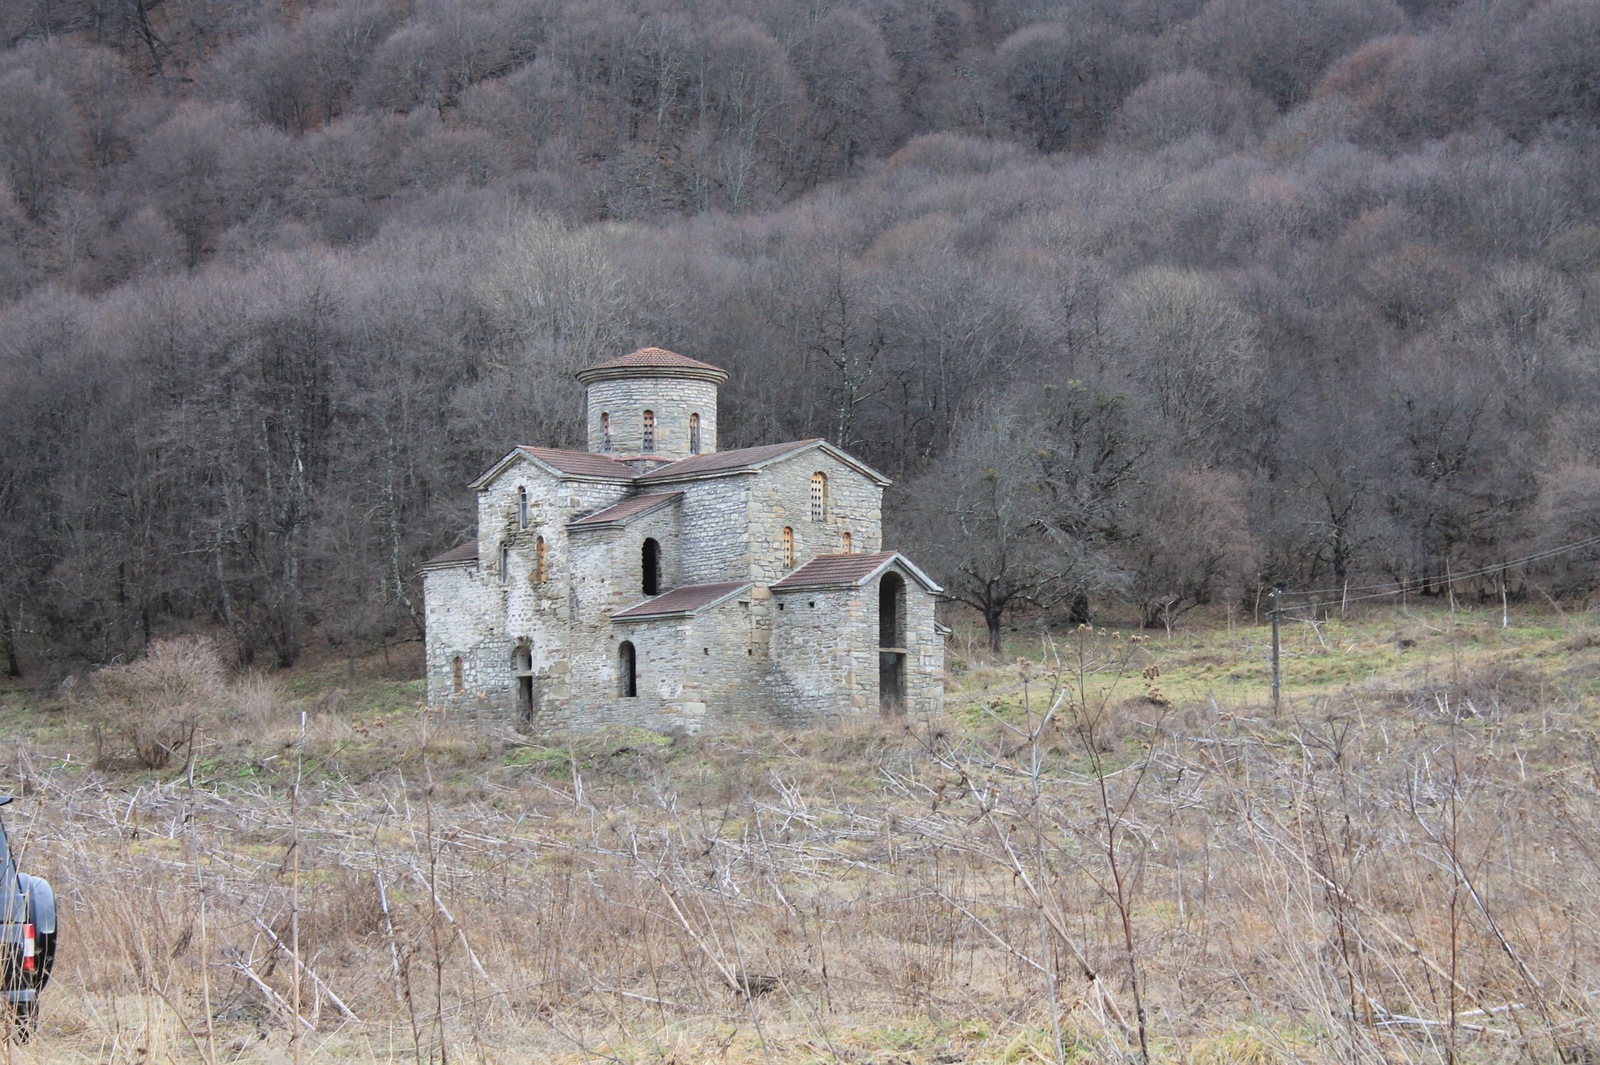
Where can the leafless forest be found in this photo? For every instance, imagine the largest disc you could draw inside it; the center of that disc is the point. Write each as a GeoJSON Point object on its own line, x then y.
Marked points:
{"type": "Point", "coordinates": [1152, 302]}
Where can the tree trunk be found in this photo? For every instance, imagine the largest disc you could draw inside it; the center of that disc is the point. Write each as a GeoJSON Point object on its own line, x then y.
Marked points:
{"type": "Point", "coordinates": [8, 636]}
{"type": "Point", "coordinates": [1078, 614]}
{"type": "Point", "coordinates": [991, 618]}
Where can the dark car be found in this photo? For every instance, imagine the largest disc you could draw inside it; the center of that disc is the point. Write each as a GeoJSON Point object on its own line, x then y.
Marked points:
{"type": "Point", "coordinates": [27, 937]}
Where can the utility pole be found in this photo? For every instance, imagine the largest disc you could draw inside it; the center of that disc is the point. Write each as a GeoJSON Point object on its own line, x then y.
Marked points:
{"type": "Point", "coordinates": [1277, 605]}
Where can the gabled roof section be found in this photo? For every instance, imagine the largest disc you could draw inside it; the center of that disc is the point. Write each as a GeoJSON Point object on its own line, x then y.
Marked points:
{"type": "Point", "coordinates": [753, 460]}
{"type": "Point", "coordinates": [683, 602]}
{"type": "Point", "coordinates": [615, 517]}
{"type": "Point", "coordinates": [850, 571]}
{"type": "Point", "coordinates": [461, 555]}
{"type": "Point", "coordinates": [652, 362]}
{"type": "Point", "coordinates": [579, 465]}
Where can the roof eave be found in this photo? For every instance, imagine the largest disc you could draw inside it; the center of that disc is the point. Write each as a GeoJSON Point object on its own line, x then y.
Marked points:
{"type": "Point", "coordinates": [613, 373]}
{"type": "Point", "coordinates": [928, 583]}
{"type": "Point", "coordinates": [667, 499]}
{"type": "Point", "coordinates": [493, 473]}
{"type": "Point", "coordinates": [721, 599]}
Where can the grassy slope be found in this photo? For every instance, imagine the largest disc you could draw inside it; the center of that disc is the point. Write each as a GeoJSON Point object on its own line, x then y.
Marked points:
{"type": "Point", "coordinates": [1309, 885]}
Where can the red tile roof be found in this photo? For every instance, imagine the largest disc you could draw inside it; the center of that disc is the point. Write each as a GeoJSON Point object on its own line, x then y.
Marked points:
{"type": "Point", "coordinates": [686, 600]}
{"type": "Point", "coordinates": [833, 569]}
{"type": "Point", "coordinates": [628, 508]}
{"type": "Point", "coordinates": [456, 556]}
{"type": "Point", "coordinates": [836, 571]}
{"type": "Point", "coordinates": [652, 362]}
{"type": "Point", "coordinates": [581, 463]}
{"type": "Point", "coordinates": [725, 461]}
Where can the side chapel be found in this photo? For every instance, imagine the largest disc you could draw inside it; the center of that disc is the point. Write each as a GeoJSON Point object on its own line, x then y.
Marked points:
{"type": "Point", "coordinates": [653, 580]}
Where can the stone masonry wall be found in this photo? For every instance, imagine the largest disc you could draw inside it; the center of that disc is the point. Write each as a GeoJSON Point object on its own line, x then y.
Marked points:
{"type": "Point", "coordinates": [459, 620]}
{"type": "Point", "coordinates": [781, 497]}
{"type": "Point", "coordinates": [520, 607]}
{"type": "Point", "coordinates": [716, 532]}
{"type": "Point", "coordinates": [671, 399]}
{"type": "Point", "coordinates": [924, 652]}
{"type": "Point", "coordinates": [822, 664]}
{"type": "Point", "coordinates": [608, 576]}
{"type": "Point", "coordinates": [825, 652]}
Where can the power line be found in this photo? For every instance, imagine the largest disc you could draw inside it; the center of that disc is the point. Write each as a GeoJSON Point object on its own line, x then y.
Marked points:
{"type": "Point", "coordinates": [1388, 588]}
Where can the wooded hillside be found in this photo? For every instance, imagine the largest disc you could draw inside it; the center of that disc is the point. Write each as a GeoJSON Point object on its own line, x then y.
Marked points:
{"type": "Point", "coordinates": [1156, 300]}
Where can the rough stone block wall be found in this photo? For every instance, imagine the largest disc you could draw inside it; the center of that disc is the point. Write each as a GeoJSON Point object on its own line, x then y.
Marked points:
{"type": "Point", "coordinates": [608, 576]}
{"type": "Point", "coordinates": [496, 612]}
{"type": "Point", "coordinates": [460, 621]}
{"type": "Point", "coordinates": [823, 663]}
{"type": "Point", "coordinates": [671, 399]}
{"type": "Point", "coordinates": [781, 497]}
{"type": "Point", "coordinates": [925, 676]}
{"type": "Point", "coordinates": [716, 532]}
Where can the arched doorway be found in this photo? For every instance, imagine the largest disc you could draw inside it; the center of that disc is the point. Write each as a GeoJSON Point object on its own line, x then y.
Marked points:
{"type": "Point", "coordinates": [522, 675]}
{"type": "Point", "coordinates": [891, 643]}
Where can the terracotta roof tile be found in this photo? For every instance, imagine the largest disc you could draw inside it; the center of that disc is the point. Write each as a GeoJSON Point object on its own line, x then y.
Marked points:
{"type": "Point", "coordinates": [581, 463]}
{"type": "Point", "coordinates": [724, 461]}
{"type": "Point", "coordinates": [686, 600]}
{"type": "Point", "coordinates": [655, 357]}
{"type": "Point", "coordinates": [628, 508]}
{"type": "Point", "coordinates": [652, 362]}
{"type": "Point", "coordinates": [825, 570]}
{"type": "Point", "coordinates": [458, 555]}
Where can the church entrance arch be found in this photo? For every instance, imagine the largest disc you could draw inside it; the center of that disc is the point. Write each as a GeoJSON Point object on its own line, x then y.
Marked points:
{"type": "Point", "coordinates": [522, 674]}
{"type": "Point", "coordinates": [891, 642]}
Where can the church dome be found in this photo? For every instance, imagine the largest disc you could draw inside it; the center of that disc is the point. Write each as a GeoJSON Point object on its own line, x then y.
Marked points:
{"type": "Point", "coordinates": [652, 362]}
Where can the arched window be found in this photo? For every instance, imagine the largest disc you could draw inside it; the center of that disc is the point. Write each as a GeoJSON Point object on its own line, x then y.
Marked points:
{"type": "Point", "coordinates": [648, 443]}
{"type": "Point", "coordinates": [522, 508]}
{"type": "Point", "coordinates": [541, 571]}
{"type": "Point", "coordinates": [819, 496]}
{"type": "Point", "coordinates": [627, 671]}
{"type": "Point", "coordinates": [788, 547]}
{"type": "Point", "coordinates": [455, 676]}
{"type": "Point", "coordinates": [650, 565]}
{"type": "Point", "coordinates": [505, 563]}
{"type": "Point", "coordinates": [605, 432]}
{"type": "Point", "coordinates": [694, 434]}
{"type": "Point", "coordinates": [844, 543]}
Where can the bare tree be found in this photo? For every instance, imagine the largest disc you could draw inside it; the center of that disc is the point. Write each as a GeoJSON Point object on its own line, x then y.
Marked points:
{"type": "Point", "coordinates": [1193, 351]}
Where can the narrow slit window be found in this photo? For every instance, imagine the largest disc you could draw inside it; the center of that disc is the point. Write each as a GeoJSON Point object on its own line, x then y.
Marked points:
{"type": "Point", "coordinates": [694, 434]}
{"type": "Point", "coordinates": [605, 432]}
{"type": "Point", "coordinates": [844, 543]}
{"type": "Point", "coordinates": [456, 680]}
{"type": "Point", "coordinates": [819, 496]}
{"type": "Point", "coordinates": [541, 565]}
{"type": "Point", "coordinates": [648, 442]}
{"type": "Point", "coordinates": [788, 547]}
{"type": "Point", "coordinates": [505, 563]}
{"type": "Point", "coordinates": [522, 508]}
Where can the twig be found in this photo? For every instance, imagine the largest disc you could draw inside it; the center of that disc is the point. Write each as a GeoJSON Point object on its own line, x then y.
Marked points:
{"type": "Point", "coordinates": [316, 981]}
{"type": "Point", "coordinates": [272, 997]}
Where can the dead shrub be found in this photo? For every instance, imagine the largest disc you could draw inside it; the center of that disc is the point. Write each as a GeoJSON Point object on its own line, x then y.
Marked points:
{"type": "Point", "coordinates": [151, 709]}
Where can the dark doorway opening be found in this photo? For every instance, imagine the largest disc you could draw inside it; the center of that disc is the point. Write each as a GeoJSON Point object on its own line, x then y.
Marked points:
{"type": "Point", "coordinates": [522, 672]}
{"type": "Point", "coordinates": [891, 643]}
{"type": "Point", "coordinates": [651, 562]}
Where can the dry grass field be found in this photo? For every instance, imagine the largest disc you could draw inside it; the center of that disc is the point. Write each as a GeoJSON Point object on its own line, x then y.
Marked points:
{"type": "Point", "coordinates": [1109, 847]}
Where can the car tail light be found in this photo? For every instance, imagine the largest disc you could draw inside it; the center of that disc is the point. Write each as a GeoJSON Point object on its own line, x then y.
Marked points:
{"type": "Point", "coordinates": [27, 948]}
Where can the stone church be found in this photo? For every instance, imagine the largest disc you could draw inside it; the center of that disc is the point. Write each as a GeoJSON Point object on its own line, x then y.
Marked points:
{"type": "Point", "coordinates": [653, 580]}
